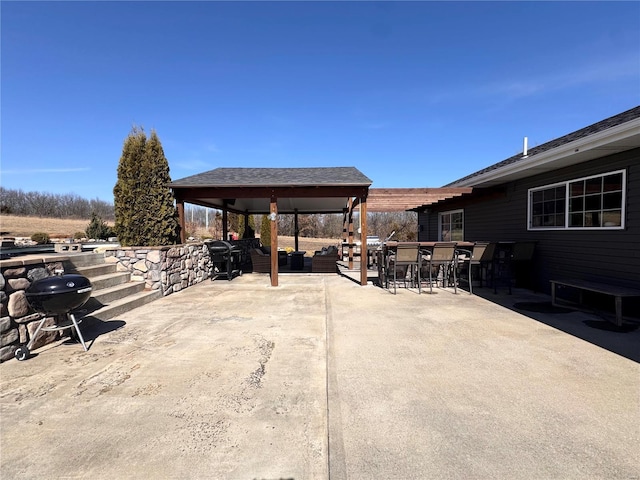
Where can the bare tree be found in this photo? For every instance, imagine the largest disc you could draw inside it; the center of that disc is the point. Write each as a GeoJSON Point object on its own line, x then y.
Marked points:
{"type": "Point", "coordinates": [43, 204]}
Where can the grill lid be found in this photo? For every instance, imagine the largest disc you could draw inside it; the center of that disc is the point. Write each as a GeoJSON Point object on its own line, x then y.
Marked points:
{"type": "Point", "coordinates": [58, 285]}
{"type": "Point", "coordinates": [60, 294]}
{"type": "Point", "coordinates": [221, 246]}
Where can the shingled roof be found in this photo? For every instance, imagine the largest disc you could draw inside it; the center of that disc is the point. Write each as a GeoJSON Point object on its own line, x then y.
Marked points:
{"type": "Point", "coordinates": [275, 177]}
{"type": "Point", "coordinates": [250, 190]}
{"type": "Point", "coordinates": [631, 140]}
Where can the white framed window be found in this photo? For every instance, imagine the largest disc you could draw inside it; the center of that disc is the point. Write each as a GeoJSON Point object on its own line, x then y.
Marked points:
{"type": "Point", "coordinates": [595, 202]}
{"type": "Point", "coordinates": [451, 226]}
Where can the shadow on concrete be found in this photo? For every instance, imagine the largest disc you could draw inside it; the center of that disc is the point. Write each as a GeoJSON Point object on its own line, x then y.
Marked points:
{"type": "Point", "coordinates": [593, 326]}
{"type": "Point", "coordinates": [92, 328]}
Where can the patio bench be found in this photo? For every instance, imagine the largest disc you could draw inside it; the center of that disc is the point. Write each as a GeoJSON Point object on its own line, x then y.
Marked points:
{"type": "Point", "coordinates": [615, 291]}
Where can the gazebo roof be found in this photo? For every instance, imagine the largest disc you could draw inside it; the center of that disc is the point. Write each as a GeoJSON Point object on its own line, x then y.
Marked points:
{"type": "Point", "coordinates": [249, 190]}
{"type": "Point", "coordinates": [274, 177]}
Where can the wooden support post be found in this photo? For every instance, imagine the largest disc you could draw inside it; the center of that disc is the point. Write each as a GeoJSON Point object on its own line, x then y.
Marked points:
{"type": "Point", "coordinates": [225, 227]}
{"type": "Point", "coordinates": [350, 233]}
{"type": "Point", "coordinates": [273, 214]}
{"type": "Point", "coordinates": [295, 229]}
{"type": "Point", "coordinates": [183, 231]}
{"type": "Point", "coordinates": [345, 212]}
{"type": "Point", "coordinates": [364, 253]}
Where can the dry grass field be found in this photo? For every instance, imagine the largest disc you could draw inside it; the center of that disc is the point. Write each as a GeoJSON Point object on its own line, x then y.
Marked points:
{"type": "Point", "coordinates": [19, 226]}
{"type": "Point", "coordinates": [24, 227]}
{"type": "Point", "coordinates": [308, 245]}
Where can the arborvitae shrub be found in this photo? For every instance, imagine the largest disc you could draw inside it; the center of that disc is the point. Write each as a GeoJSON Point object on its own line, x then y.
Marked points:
{"type": "Point", "coordinates": [265, 230]}
{"type": "Point", "coordinates": [144, 206]}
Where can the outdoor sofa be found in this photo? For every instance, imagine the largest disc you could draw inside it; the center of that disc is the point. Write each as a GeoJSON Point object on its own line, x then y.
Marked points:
{"type": "Point", "coordinates": [324, 261]}
{"type": "Point", "coordinates": [260, 261]}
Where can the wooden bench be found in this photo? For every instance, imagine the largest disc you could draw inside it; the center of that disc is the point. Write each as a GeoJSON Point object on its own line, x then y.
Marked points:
{"type": "Point", "coordinates": [615, 291]}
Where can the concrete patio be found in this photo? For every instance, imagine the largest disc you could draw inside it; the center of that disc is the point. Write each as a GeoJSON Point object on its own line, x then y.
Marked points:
{"type": "Point", "coordinates": [320, 378]}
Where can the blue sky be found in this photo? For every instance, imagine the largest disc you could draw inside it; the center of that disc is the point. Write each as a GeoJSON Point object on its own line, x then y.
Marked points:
{"type": "Point", "coordinates": [413, 94]}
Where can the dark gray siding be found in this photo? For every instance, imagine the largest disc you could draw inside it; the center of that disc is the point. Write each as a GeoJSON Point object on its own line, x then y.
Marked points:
{"type": "Point", "coordinates": [612, 256]}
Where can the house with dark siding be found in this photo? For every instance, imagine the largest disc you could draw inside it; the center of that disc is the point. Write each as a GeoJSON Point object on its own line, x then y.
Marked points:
{"type": "Point", "coordinates": [577, 197]}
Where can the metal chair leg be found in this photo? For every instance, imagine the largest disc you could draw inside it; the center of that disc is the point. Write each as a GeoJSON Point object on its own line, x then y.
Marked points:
{"type": "Point", "coordinates": [455, 279]}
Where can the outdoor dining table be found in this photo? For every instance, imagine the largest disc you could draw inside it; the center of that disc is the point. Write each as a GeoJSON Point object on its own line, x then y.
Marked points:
{"type": "Point", "coordinates": [394, 243]}
{"type": "Point", "coordinates": [389, 247]}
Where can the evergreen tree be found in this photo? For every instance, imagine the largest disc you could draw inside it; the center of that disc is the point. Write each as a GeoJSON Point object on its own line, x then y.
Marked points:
{"type": "Point", "coordinates": [265, 230]}
{"type": "Point", "coordinates": [161, 227]}
{"type": "Point", "coordinates": [235, 223]}
{"type": "Point", "coordinates": [144, 209]}
{"type": "Point", "coordinates": [97, 228]}
{"type": "Point", "coordinates": [127, 189]}
{"type": "Point", "coordinates": [250, 232]}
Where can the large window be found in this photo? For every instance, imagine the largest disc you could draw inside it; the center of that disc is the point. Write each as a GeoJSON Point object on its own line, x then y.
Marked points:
{"type": "Point", "coordinates": [451, 226]}
{"type": "Point", "coordinates": [591, 202]}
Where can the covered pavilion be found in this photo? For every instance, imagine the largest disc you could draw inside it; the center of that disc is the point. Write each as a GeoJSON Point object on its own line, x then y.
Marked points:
{"type": "Point", "coordinates": [273, 191]}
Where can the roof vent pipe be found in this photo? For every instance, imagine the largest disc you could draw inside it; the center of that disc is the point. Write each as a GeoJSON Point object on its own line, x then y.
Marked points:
{"type": "Point", "coordinates": [524, 147]}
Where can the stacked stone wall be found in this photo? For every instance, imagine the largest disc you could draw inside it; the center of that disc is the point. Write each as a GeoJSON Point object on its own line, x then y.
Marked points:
{"type": "Point", "coordinates": [18, 321]}
{"type": "Point", "coordinates": [168, 269]}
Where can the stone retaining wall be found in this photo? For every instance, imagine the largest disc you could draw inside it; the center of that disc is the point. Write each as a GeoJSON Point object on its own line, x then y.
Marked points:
{"type": "Point", "coordinates": [17, 320]}
{"type": "Point", "coordinates": [168, 269]}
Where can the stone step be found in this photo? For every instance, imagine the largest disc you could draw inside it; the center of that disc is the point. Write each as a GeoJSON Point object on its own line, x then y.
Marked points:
{"type": "Point", "coordinates": [113, 292]}
{"type": "Point", "coordinates": [118, 307]}
{"type": "Point", "coordinates": [105, 296]}
{"type": "Point", "coordinates": [93, 271]}
{"type": "Point", "coordinates": [85, 259]}
{"type": "Point", "coordinates": [110, 280]}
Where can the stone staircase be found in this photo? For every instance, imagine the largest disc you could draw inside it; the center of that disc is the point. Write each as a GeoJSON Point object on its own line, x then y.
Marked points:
{"type": "Point", "coordinates": [113, 292]}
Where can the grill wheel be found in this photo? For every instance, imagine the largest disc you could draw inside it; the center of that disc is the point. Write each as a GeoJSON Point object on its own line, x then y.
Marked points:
{"type": "Point", "coordinates": [22, 353]}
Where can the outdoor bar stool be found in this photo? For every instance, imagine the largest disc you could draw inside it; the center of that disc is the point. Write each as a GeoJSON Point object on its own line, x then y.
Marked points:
{"type": "Point", "coordinates": [425, 255]}
{"type": "Point", "coordinates": [486, 261]}
{"type": "Point", "coordinates": [381, 265]}
{"type": "Point", "coordinates": [468, 258]}
{"type": "Point", "coordinates": [501, 266]}
{"type": "Point", "coordinates": [407, 257]}
{"type": "Point", "coordinates": [443, 258]}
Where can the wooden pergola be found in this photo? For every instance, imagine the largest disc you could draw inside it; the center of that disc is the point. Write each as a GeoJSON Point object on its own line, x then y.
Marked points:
{"type": "Point", "coordinates": [273, 191]}
{"type": "Point", "coordinates": [405, 199]}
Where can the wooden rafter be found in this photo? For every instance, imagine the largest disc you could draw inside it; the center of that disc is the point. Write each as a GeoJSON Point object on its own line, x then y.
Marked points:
{"type": "Point", "coordinates": [402, 199]}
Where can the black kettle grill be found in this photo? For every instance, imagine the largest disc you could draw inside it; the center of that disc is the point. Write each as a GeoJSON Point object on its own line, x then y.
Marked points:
{"type": "Point", "coordinates": [56, 296]}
